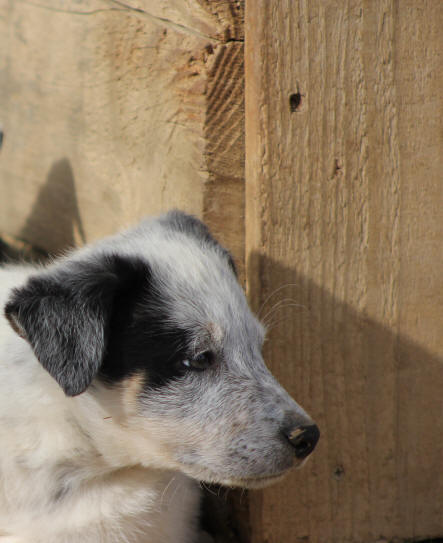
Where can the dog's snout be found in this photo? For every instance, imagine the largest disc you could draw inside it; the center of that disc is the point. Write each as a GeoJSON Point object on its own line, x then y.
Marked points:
{"type": "Point", "coordinates": [303, 439]}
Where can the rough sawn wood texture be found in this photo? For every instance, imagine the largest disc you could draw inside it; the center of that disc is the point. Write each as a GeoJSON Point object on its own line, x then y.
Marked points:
{"type": "Point", "coordinates": [113, 110]}
{"type": "Point", "coordinates": [344, 214]}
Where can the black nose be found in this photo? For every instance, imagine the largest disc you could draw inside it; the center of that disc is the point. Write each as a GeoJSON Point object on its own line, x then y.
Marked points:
{"type": "Point", "coordinates": [303, 439]}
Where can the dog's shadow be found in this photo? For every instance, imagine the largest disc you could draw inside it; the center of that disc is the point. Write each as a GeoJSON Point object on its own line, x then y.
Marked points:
{"type": "Point", "coordinates": [54, 223]}
{"type": "Point", "coordinates": [376, 396]}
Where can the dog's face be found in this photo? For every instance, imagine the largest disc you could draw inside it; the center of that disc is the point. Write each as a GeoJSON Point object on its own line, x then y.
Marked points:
{"type": "Point", "coordinates": [154, 325]}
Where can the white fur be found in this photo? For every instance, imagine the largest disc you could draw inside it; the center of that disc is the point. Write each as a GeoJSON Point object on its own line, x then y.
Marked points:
{"type": "Point", "coordinates": [122, 464]}
{"type": "Point", "coordinates": [43, 433]}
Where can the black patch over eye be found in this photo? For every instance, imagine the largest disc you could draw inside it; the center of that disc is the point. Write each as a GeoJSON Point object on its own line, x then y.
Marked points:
{"type": "Point", "coordinates": [141, 338]}
{"type": "Point", "coordinates": [200, 362]}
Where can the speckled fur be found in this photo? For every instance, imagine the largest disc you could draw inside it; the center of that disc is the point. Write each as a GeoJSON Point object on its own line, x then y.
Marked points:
{"type": "Point", "coordinates": [120, 461]}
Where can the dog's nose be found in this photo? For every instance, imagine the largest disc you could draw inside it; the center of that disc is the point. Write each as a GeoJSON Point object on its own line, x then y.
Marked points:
{"type": "Point", "coordinates": [303, 439]}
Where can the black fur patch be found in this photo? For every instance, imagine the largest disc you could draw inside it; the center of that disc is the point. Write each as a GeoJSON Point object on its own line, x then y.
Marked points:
{"type": "Point", "coordinates": [66, 315]}
{"type": "Point", "coordinates": [98, 318]}
{"type": "Point", "coordinates": [141, 338]}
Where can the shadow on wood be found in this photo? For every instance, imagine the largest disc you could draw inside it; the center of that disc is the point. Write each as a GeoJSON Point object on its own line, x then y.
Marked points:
{"type": "Point", "coordinates": [376, 473]}
{"type": "Point", "coordinates": [54, 221]}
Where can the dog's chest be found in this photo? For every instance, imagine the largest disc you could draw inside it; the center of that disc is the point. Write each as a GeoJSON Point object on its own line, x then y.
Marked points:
{"type": "Point", "coordinates": [131, 504]}
{"type": "Point", "coordinates": [55, 487]}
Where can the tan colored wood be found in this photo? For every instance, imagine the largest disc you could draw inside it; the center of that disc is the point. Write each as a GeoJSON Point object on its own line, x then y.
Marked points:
{"type": "Point", "coordinates": [107, 112]}
{"type": "Point", "coordinates": [223, 198]}
{"type": "Point", "coordinates": [344, 214]}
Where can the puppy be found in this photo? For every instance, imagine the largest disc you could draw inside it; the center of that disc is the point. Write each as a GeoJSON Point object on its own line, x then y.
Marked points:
{"type": "Point", "coordinates": [130, 370]}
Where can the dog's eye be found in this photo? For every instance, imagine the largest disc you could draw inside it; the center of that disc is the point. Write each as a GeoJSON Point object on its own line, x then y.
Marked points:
{"type": "Point", "coordinates": [200, 362]}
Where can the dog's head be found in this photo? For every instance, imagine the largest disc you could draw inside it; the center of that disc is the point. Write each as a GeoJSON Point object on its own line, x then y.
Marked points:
{"type": "Point", "coordinates": [153, 324]}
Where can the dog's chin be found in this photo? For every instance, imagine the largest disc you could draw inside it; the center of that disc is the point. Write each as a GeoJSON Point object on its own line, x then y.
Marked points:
{"type": "Point", "coordinates": [242, 481]}
{"type": "Point", "coordinates": [254, 482]}
{"type": "Point", "coordinates": [233, 481]}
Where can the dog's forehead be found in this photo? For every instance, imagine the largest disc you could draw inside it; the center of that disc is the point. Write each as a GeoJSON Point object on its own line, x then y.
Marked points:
{"type": "Point", "coordinates": [201, 291]}
{"type": "Point", "coordinates": [193, 277]}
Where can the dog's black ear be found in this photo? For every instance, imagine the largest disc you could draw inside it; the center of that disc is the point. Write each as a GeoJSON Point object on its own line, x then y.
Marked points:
{"type": "Point", "coordinates": [65, 315]}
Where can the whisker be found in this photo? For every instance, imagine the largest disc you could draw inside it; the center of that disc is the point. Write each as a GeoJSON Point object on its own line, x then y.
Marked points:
{"type": "Point", "coordinates": [275, 323]}
{"type": "Point", "coordinates": [165, 490]}
{"type": "Point", "coordinates": [273, 293]}
{"type": "Point", "coordinates": [276, 306]}
{"type": "Point", "coordinates": [285, 302]}
{"type": "Point", "coordinates": [205, 487]}
{"type": "Point", "coordinates": [243, 494]}
{"type": "Point", "coordinates": [270, 323]}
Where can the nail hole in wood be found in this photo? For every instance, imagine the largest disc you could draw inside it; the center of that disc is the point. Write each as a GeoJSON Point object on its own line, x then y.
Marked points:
{"type": "Point", "coordinates": [295, 102]}
{"type": "Point", "coordinates": [339, 473]}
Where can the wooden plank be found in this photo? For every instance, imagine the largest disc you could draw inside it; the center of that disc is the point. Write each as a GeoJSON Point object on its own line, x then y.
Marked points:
{"type": "Point", "coordinates": [223, 198]}
{"type": "Point", "coordinates": [344, 208]}
{"type": "Point", "coordinates": [106, 111]}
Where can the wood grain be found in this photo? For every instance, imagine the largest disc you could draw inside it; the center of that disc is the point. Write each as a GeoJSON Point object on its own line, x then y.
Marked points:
{"type": "Point", "coordinates": [344, 208]}
{"type": "Point", "coordinates": [106, 111]}
{"type": "Point", "coordinates": [223, 199]}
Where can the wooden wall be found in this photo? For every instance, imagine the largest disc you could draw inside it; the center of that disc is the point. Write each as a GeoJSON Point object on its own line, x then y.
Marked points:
{"type": "Point", "coordinates": [112, 110]}
{"type": "Point", "coordinates": [344, 215]}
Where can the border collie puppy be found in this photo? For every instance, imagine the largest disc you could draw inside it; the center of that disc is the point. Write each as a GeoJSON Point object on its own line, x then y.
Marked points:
{"type": "Point", "coordinates": [131, 370]}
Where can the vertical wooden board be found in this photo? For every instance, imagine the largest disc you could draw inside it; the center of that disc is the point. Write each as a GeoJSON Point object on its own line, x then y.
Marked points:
{"type": "Point", "coordinates": [223, 199]}
{"type": "Point", "coordinates": [420, 283]}
{"type": "Point", "coordinates": [104, 107]}
{"type": "Point", "coordinates": [343, 232]}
